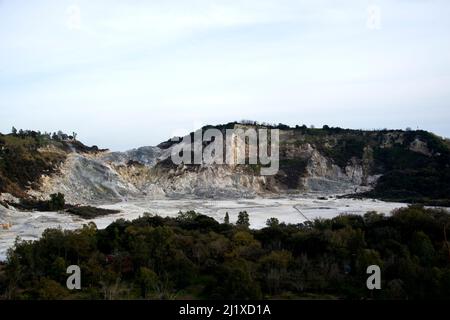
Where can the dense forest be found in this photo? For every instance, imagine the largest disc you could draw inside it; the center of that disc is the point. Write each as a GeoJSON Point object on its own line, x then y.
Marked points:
{"type": "Point", "coordinates": [194, 256]}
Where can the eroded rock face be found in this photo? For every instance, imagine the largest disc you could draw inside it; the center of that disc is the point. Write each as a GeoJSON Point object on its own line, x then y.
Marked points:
{"type": "Point", "coordinates": [7, 197]}
{"type": "Point", "coordinates": [322, 175]}
{"type": "Point", "coordinates": [311, 163]}
{"type": "Point", "coordinates": [207, 181]}
{"type": "Point", "coordinates": [420, 146]}
{"type": "Point", "coordinates": [294, 150]}
{"type": "Point", "coordinates": [144, 155]}
{"type": "Point", "coordinates": [118, 177]}
{"type": "Point", "coordinates": [87, 179]}
{"type": "Point", "coordinates": [392, 138]}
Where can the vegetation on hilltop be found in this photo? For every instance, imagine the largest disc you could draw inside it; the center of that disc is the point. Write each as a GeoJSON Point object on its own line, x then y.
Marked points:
{"type": "Point", "coordinates": [21, 165]}
{"type": "Point", "coordinates": [26, 155]}
{"type": "Point", "coordinates": [409, 176]}
{"type": "Point", "coordinates": [194, 256]}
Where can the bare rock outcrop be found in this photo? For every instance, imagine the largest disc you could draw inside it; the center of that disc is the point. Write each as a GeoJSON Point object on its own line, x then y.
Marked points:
{"type": "Point", "coordinates": [341, 162]}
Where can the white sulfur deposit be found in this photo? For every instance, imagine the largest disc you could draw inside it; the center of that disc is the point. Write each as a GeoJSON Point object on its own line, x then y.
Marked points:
{"type": "Point", "coordinates": [30, 225]}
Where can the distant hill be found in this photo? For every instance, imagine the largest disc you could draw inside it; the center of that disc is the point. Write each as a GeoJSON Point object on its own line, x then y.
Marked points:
{"type": "Point", "coordinates": [395, 165]}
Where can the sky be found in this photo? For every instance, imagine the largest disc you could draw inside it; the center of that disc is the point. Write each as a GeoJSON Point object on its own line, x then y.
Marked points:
{"type": "Point", "coordinates": [124, 74]}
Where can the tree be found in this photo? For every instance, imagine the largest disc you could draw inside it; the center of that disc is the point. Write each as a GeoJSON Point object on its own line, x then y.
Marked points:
{"type": "Point", "coordinates": [62, 136]}
{"type": "Point", "coordinates": [14, 131]}
{"type": "Point", "coordinates": [243, 219]}
{"type": "Point", "coordinates": [272, 222]}
{"type": "Point", "coordinates": [148, 281]}
{"type": "Point", "coordinates": [283, 126]}
{"type": "Point", "coordinates": [367, 257]}
{"type": "Point", "coordinates": [237, 282]}
{"type": "Point", "coordinates": [422, 246]}
{"type": "Point", "coordinates": [49, 289]}
{"type": "Point", "coordinates": [187, 216]}
{"type": "Point", "coordinates": [57, 202]}
{"type": "Point", "coordinates": [274, 267]}
{"type": "Point", "coordinates": [226, 220]}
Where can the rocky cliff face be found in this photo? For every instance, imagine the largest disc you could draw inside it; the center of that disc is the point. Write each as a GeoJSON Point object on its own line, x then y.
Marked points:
{"type": "Point", "coordinates": [84, 178]}
{"type": "Point", "coordinates": [327, 162]}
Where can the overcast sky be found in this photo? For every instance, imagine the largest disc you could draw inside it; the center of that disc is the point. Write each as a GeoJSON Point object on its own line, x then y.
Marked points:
{"type": "Point", "coordinates": [123, 74]}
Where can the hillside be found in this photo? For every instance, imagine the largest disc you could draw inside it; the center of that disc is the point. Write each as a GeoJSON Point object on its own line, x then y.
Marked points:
{"type": "Point", "coordinates": [26, 156]}
{"type": "Point", "coordinates": [407, 166]}
{"type": "Point", "coordinates": [395, 165]}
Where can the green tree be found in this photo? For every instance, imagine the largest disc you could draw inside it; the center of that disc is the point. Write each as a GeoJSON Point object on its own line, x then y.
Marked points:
{"type": "Point", "coordinates": [422, 246]}
{"type": "Point", "coordinates": [57, 202]}
{"type": "Point", "coordinates": [367, 257]}
{"type": "Point", "coordinates": [227, 218]}
{"type": "Point", "coordinates": [148, 281]}
{"type": "Point", "coordinates": [274, 267]}
{"type": "Point", "coordinates": [50, 290]}
{"type": "Point", "coordinates": [187, 216]}
{"type": "Point", "coordinates": [243, 219]}
{"type": "Point", "coordinates": [236, 282]}
{"type": "Point", "coordinates": [272, 222]}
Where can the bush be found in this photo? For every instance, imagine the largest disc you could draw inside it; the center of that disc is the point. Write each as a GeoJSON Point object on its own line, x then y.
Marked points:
{"type": "Point", "coordinates": [57, 202]}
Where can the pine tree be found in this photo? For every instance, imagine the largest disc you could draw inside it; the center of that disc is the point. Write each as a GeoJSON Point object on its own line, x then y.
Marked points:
{"type": "Point", "coordinates": [227, 218]}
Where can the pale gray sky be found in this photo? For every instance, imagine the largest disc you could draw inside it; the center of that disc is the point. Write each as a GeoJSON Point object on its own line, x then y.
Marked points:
{"type": "Point", "coordinates": [129, 73]}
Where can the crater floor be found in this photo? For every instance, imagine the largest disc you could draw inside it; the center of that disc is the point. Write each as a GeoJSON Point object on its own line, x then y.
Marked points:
{"type": "Point", "coordinates": [30, 225]}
